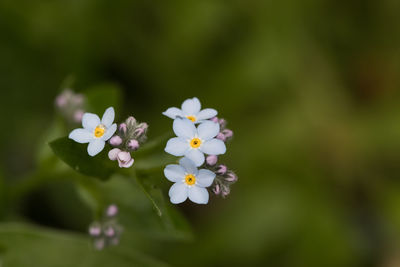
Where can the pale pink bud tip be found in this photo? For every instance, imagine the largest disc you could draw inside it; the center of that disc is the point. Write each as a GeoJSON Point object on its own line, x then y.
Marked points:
{"type": "Point", "coordinates": [112, 210]}
{"type": "Point", "coordinates": [116, 141]}
{"type": "Point", "coordinates": [222, 169]}
{"type": "Point", "coordinates": [133, 144]}
{"type": "Point", "coordinates": [131, 120]}
{"type": "Point", "coordinates": [215, 119]}
{"type": "Point", "coordinates": [216, 190]}
{"type": "Point", "coordinates": [99, 244]}
{"type": "Point", "coordinates": [228, 133]}
{"type": "Point", "coordinates": [109, 232]}
{"type": "Point", "coordinates": [94, 231]}
{"type": "Point", "coordinates": [61, 101]}
{"type": "Point", "coordinates": [231, 177]}
{"type": "Point", "coordinates": [78, 115]}
{"type": "Point", "coordinates": [222, 123]}
{"type": "Point", "coordinates": [221, 137]}
{"type": "Point", "coordinates": [122, 128]}
{"type": "Point", "coordinates": [124, 159]}
{"type": "Point", "coordinates": [211, 160]}
{"type": "Point", "coordinates": [113, 154]}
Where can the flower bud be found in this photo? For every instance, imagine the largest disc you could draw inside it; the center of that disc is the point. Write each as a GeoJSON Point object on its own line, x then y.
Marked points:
{"type": "Point", "coordinates": [130, 121]}
{"type": "Point", "coordinates": [78, 99]}
{"type": "Point", "coordinates": [124, 159]}
{"type": "Point", "coordinates": [225, 191]}
{"type": "Point", "coordinates": [142, 128]}
{"type": "Point", "coordinates": [133, 144]}
{"type": "Point", "coordinates": [112, 210]}
{"type": "Point", "coordinates": [61, 101]}
{"type": "Point", "coordinates": [215, 119]}
{"type": "Point", "coordinates": [109, 231]}
{"type": "Point", "coordinates": [123, 128]}
{"type": "Point", "coordinates": [222, 169]}
{"type": "Point", "coordinates": [95, 230]}
{"type": "Point", "coordinates": [113, 154]}
{"type": "Point", "coordinates": [115, 141]}
{"type": "Point", "coordinates": [232, 177]}
{"type": "Point", "coordinates": [222, 123]}
{"type": "Point", "coordinates": [212, 160]}
{"type": "Point", "coordinates": [78, 115]}
{"type": "Point", "coordinates": [217, 190]}
{"type": "Point", "coordinates": [221, 137]}
{"type": "Point", "coordinates": [227, 133]}
{"type": "Point", "coordinates": [99, 244]}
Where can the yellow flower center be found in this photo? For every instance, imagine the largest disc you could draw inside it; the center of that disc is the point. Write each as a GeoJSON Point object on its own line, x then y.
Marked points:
{"type": "Point", "coordinates": [190, 179]}
{"type": "Point", "coordinates": [99, 131]}
{"type": "Point", "coordinates": [192, 118]}
{"type": "Point", "coordinates": [195, 143]}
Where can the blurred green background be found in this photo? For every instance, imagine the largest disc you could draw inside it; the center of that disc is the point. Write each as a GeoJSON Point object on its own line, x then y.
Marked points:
{"type": "Point", "coordinates": [310, 88]}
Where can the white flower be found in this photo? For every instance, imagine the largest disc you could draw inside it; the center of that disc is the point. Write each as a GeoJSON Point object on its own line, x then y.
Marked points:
{"type": "Point", "coordinates": [95, 132]}
{"type": "Point", "coordinates": [189, 182]}
{"type": "Point", "coordinates": [191, 109]}
{"type": "Point", "coordinates": [193, 142]}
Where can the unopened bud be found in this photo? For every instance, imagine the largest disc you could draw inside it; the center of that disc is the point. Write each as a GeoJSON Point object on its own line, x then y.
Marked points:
{"type": "Point", "coordinates": [130, 121]}
{"type": "Point", "coordinates": [215, 119]}
{"type": "Point", "coordinates": [221, 137]}
{"type": "Point", "coordinates": [78, 115]}
{"type": "Point", "coordinates": [133, 145]}
{"type": "Point", "coordinates": [124, 159]}
{"type": "Point", "coordinates": [217, 190]}
{"type": "Point", "coordinates": [113, 154]}
{"type": "Point", "coordinates": [227, 133]}
{"type": "Point", "coordinates": [222, 123]}
{"type": "Point", "coordinates": [112, 210]}
{"type": "Point", "coordinates": [222, 169]}
{"type": "Point", "coordinates": [109, 231]}
{"type": "Point", "coordinates": [212, 160]}
{"type": "Point", "coordinates": [95, 230]}
{"type": "Point", "coordinates": [123, 128]}
{"type": "Point", "coordinates": [99, 244]}
{"type": "Point", "coordinates": [232, 177]}
{"type": "Point", "coordinates": [115, 141]}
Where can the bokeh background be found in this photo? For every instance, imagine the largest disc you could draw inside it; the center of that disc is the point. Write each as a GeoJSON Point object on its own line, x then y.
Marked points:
{"type": "Point", "coordinates": [310, 88]}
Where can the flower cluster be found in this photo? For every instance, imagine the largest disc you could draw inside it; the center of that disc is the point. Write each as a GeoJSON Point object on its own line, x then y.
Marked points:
{"type": "Point", "coordinates": [193, 143]}
{"type": "Point", "coordinates": [130, 136]}
{"type": "Point", "coordinates": [107, 231]}
{"type": "Point", "coordinates": [96, 132]}
{"type": "Point", "coordinates": [71, 105]}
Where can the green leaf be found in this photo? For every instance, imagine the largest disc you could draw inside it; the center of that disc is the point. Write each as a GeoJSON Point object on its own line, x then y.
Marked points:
{"type": "Point", "coordinates": [76, 156]}
{"type": "Point", "coordinates": [103, 96]}
{"type": "Point", "coordinates": [25, 245]}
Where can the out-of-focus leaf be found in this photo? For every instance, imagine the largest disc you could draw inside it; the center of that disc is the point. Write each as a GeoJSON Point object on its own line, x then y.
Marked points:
{"type": "Point", "coordinates": [103, 96]}
{"type": "Point", "coordinates": [26, 246]}
{"type": "Point", "coordinates": [76, 156]}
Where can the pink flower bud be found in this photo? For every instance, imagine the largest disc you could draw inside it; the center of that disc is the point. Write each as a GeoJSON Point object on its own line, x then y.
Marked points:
{"type": "Point", "coordinates": [216, 190]}
{"type": "Point", "coordinates": [212, 160]}
{"type": "Point", "coordinates": [227, 133]}
{"type": "Point", "coordinates": [123, 128]}
{"type": "Point", "coordinates": [141, 129]}
{"type": "Point", "coordinates": [130, 121]}
{"type": "Point", "coordinates": [114, 241]}
{"type": "Point", "coordinates": [94, 230]}
{"type": "Point", "coordinates": [221, 137]}
{"type": "Point", "coordinates": [215, 119]}
{"type": "Point", "coordinates": [78, 115]}
{"type": "Point", "coordinates": [124, 159]}
{"type": "Point", "coordinates": [112, 210]}
{"type": "Point", "coordinates": [222, 169]}
{"type": "Point", "coordinates": [78, 99]}
{"type": "Point", "coordinates": [133, 145]}
{"type": "Point", "coordinates": [115, 140]}
{"type": "Point", "coordinates": [109, 231]}
{"type": "Point", "coordinates": [225, 190]}
{"type": "Point", "coordinates": [232, 177]}
{"type": "Point", "coordinates": [61, 101]}
{"type": "Point", "coordinates": [113, 154]}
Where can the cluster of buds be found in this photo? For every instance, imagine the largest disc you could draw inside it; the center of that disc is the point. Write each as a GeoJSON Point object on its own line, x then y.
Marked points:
{"type": "Point", "coordinates": [224, 177]}
{"type": "Point", "coordinates": [71, 105]}
{"type": "Point", "coordinates": [129, 137]}
{"type": "Point", "coordinates": [106, 232]}
{"type": "Point", "coordinates": [225, 134]}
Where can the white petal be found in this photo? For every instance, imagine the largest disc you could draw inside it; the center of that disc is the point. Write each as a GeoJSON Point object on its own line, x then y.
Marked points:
{"type": "Point", "coordinates": [108, 117]}
{"type": "Point", "coordinates": [178, 193]}
{"type": "Point", "coordinates": [177, 146]}
{"type": "Point", "coordinates": [196, 156]}
{"type": "Point", "coordinates": [191, 106]}
{"type": "Point", "coordinates": [184, 128]}
{"type": "Point", "coordinates": [81, 136]}
{"type": "Point", "coordinates": [208, 130]}
{"type": "Point", "coordinates": [206, 114]}
{"type": "Point", "coordinates": [173, 113]}
{"type": "Point", "coordinates": [109, 132]}
{"type": "Point", "coordinates": [95, 147]}
{"type": "Point", "coordinates": [90, 121]}
{"type": "Point", "coordinates": [213, 147]}
{"type": "Point", "coordinates": [205, 178]}
{"type": "Point", "coordinates": [174, 173]}
{"type": "Point", "coordinates": [198, 195]}
{"type": "Point", "coordinates": [188, 165]}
